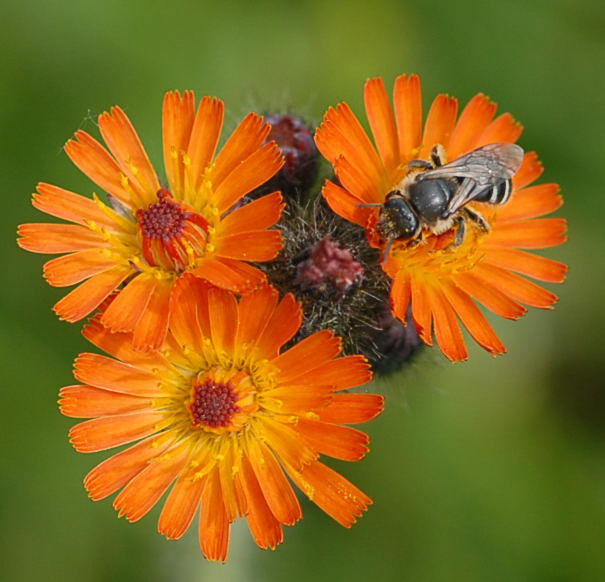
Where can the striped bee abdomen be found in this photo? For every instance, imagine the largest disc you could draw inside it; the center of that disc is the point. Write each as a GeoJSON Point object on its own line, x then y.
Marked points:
{"type": "Point", "coordinates": [497, 194]}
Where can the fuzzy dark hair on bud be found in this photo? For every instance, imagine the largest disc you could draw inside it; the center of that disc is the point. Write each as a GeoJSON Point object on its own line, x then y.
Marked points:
{"type": "Point", "coordinates": [295, 140]}
{"type": "Point", "coordinates": [327, 263]}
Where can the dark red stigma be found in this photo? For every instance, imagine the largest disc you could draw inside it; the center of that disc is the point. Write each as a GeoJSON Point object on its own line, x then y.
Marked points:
{"type": "Point", "coordinates": [169, 230]}
{"type": "Point", "coordinates": [163, 220]}
{"type": "Point", "coordinates": [213, 404]}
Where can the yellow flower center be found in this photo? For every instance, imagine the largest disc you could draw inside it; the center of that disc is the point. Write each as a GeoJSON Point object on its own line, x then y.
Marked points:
{"type": "Point", "coordinates": [437, 255]}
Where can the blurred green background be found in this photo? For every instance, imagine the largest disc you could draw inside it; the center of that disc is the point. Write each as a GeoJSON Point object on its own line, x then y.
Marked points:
{"type": "Point", "coordinates": [488, 470]}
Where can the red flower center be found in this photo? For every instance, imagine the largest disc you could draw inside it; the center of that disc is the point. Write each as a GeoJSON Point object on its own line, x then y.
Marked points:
{"type": "Point", "coordinates": [172, 235]}
{"type": "Point", "coordinates": [164, 219]}
{"type": "Point", "coordinates": [213, 404]}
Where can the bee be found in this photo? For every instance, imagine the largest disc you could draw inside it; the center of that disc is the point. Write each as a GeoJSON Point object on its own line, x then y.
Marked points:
{"type": "Point", "coordinates": [434, 195]}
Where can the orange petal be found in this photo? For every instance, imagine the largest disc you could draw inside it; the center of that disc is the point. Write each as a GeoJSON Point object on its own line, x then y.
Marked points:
{"type": "Point", "coordinates": [255, 310]}
{"type": "Point", "coordinates": [528, 264]}
{"type": "Point", "coordinates": [352, 408]}
{"type": "Point", "coordinates": [531, 169]}
{"type": "Point", "coordinates": [537, 233]}
{"type": "Point", "coordinates": [339, 498]}
{"type": "Point", "coordinates": [119, 345]}
{"type": "Point", "coordinates": [503, 129]}
{"type": "Point", "coordinates": [112, 431]}
{"type": "Point", "coordinates": [189, 302]}
{"type": "Point", "coordinates": [227, 471]}
{"type": "Point", "coordinates": [145, 490]}
{"type": "Point", "coordinates": [334, 440]}
{"type": "Point", "coordinates": [341, 374]}
{"type": "Point", "coordinates": [235, 276]}
{"type": "Point", "coordinates": [247, 138]}
{"type": "Point", "coordinates": [516, 287]}
{"type": "Point", "coordinates": [214, 527]}
{"type": "Point", "coordinates": [94, 160]}
{"type": "Point", "coordinates": [357, 183]}
{"type": "Point", "coordinates": [103, 372]}
{"type": "Point", "coordinates": [498, 302]}
{"type": "Point", "coordinates": [400, 296]}
{"type": "Point", "coordinates": [107, 477]}
{"type": "Point", "coordinates": [75, 267]}
{"type": "Point", "coordinates": [341, 134]}
{"type": "Point", "coordinates": [407, 97]}
{"type": "Point", "coordinates": [306, 355]}
{"type": "Point", "coordinates": [222, 309]}
{"type": "Point", "coordinates": [205, 135]}
{"type": "Point", "coordinates": [382, 121]}
{"type": "Point", "coordinates": [251, 173]}
{"type": "Point", "coordinates": [439, 124]}
{"type": "Point", "coordinates": [90, 294]}
{"type": "Point", "coordinates": [180, 507]}
{"type": "Point", "coordinates": [257, 245]}
{"type": "Point", "coordinates": [532, 202]}
{"type": "Point", "coordinates": [447, 331]}
{"type": "Point", "coordinates": [273, 483]}
{"type": "Point", "coordinates": [297, 399]}
{"type": "Point", "coordinates": [57, 238]}
{"type": "Point", "coordinates": [421, 311]}
{"type": "Point", "coordinates": [69, 206]}
{"type": "Point", "coordinates": [473, 319]}
{"type": "Point", "coordinates": [177, 120]}
{"type": "Point", "coordinates": [285, 441]}
{"type": "Point", "coordinates": [265, 529]}
{"type": "Point", "coordinates": [152, 326]}
{"type": "Point", "coordinates": [474, 120]}
{"type": "Point", "coordinates": [124, 143]}
{"type": "Point", "coordinates": [130, 303]}
{"type": "Point", "coordinates": [283, 325]}
{"type": "Point", "coordinates": [345, 204]}
{"type": "Point", "coordinates": [256, 215]}
{"type": "Point", "coordinates": [89, 402]}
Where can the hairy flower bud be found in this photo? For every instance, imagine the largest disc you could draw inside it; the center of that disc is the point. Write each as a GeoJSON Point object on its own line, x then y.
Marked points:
{"type": "Point", "coordinates": [329, 266]}
{"type": "Point", "coordinates": [295, 140]}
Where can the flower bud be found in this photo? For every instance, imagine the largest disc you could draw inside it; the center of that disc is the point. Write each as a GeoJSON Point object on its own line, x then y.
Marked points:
{"type": "Point", "coordinates": [329, 266]}
{"type": "Point", "coordinates": [295, 141]}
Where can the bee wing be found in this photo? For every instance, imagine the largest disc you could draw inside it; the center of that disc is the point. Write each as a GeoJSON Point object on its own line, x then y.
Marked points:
{"type": "Point", "coordinates": [478, 170]}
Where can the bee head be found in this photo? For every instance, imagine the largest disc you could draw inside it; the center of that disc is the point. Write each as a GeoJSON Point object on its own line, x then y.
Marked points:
{"type": "Point", "coordinates": [402, 221]}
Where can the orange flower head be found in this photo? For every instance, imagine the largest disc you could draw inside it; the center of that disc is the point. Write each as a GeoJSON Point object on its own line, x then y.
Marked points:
{"type": "Point", "coordinates": [440, 280]}
{"type": "Point", "coordinates": [151, 235]}
{"type": "Point", "coordinates": [222, 414]}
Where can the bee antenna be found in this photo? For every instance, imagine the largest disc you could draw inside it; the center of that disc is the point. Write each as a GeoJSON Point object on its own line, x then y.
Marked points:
{"type": "Point", "coordinates": [369, 205]}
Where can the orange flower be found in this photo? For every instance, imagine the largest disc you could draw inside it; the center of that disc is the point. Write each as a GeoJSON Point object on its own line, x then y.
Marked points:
{"type": "Point", "coordinates": [222, 414]}
{"type": "Point", "coordinates": [440, 281]}
{"type": "Point", "coordinates": [151, 235]}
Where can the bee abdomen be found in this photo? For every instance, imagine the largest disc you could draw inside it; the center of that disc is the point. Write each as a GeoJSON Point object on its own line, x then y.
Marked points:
{"type": "Point", "coordinates": [497, 194]}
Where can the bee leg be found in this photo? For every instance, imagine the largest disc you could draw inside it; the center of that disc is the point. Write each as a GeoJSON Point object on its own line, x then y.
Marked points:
{"type": "Point", "coordinates": [423, 164]}
{"type": "Point", "coordinates": [460, 231]}
{"type": "Point", "coordinates": [387, 250]}
{"type": "Point", "coordinates": [438, 155]}
{"type": "Point", "coordinates": [478, 219]}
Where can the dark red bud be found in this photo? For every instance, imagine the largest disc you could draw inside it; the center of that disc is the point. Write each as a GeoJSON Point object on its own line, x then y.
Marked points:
{"type": "Point", "coordinates": [295, 141]}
